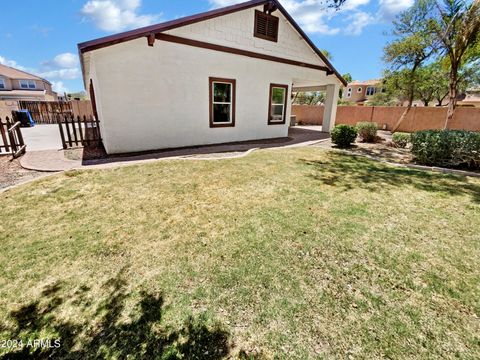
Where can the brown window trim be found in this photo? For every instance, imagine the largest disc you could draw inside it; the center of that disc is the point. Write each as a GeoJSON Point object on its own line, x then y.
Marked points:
{"type": "Point", "coordinates": [270, 122]}
{"type": "Point", "coordinates": [270, 18]}
{"type": "Point", "coordinates": [211, 80]}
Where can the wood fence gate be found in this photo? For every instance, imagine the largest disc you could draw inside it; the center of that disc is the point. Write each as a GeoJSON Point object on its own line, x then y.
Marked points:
{"type": "Point", "coordinates": [79, 131]}
{"type": "Point", "coordinates": [46, 112]}
{"type": "Point", "coordinates": [11, 138]}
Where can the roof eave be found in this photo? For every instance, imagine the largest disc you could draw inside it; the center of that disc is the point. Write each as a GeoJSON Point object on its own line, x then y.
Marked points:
{"type": "Point", "coordinates": [148, 30]}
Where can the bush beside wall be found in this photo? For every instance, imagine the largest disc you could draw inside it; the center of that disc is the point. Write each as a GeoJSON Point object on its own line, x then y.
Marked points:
{"type": "Point", "coordinates": [447, 148]}
{"type": "Point", "coordinates": [401, 139]}
{"type": "Point", "coordinates": [367, 131]}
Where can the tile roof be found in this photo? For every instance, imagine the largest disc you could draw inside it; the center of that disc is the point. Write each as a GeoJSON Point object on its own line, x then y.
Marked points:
{"type": "Point", "coordinates": [366, 82]}
{"type": "Point", "coordinates": [13, 73]}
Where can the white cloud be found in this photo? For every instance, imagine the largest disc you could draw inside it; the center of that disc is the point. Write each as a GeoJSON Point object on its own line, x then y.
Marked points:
{"type": "Point", "coordinates": [117, 15]}
{"type": "Point", "coordinates": [390, 8]}
{"type": "Point", "coordinates": [59, 87]}
{"type": "Point", "coordinates": [66, 60]}
{"type": "Point", "coordinates": [314, 15]}
{"type": "Point", "coordinates": [358, 21]}
{"type": "Point", "coordinates": [61, 61]}
{"type": "Point", "coordinates": [11, 63]}
{"type": "Point", "coordinates": [65, 74]}
{"type": "Point", "coordinates": [221, 3]}
{"type": "Point", "coordinates": [64, 66]}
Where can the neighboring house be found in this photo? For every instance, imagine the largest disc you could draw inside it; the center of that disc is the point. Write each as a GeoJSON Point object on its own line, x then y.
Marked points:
{"type": "Point", "coordinates": [361, 91]}
{"type": "Point", "coordinates": [471, 99]}
{"type": "Point", "coordinates": [19, 85]}
{"type": "Point", "coordinates": [222, 76]}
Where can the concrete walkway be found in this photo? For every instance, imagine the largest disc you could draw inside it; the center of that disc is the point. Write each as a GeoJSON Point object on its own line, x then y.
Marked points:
{"type": "Point", "coordinates": [42, 137]}
{"type": "Point", "coordinates": [54, 160]}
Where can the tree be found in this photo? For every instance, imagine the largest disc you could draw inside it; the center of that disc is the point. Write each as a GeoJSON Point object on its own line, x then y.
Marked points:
{"type": "Point", "coordinates": [327, 54]}
{"type": "Point", "coordinates": [432, 83]}
{"type": "Point", "coordinates": [348, 77]}
{"type": "Point", "coordinates": [382, 99]}
{"type": "Point", "coordinates": [456, 24]}
{"type": "Point", "coordinates": [309, 98]}
{"type": "Point", "coordinates": [398, 83]}
{"type": "Point", "coordinates": [413, 45]}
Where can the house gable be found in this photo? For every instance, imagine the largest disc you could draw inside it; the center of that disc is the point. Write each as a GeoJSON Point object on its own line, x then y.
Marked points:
{"type": "Point", "coordinates": [236, 30]}
{"type": "Point", "coordinates": [318, 60]}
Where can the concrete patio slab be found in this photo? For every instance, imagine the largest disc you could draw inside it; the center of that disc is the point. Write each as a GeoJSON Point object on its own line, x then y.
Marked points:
{"type": "Point", "coordinates": [54, 160]}
{"type": "Point", "coordinates": [42, 137]}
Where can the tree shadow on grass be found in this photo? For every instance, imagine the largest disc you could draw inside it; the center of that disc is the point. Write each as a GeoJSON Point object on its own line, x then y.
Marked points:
{"type": "Point", "coordinates": [143, 337]}
{"type": "Point", "coordinates": [355, 172]}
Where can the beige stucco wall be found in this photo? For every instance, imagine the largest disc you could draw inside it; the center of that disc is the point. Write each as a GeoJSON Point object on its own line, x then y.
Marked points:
{"type": "Point", "coordinates": [158, 97]}
{"type": "Point", "coordinates": [42, 92]}
{"type": "Point", "coordinates": [359, 92]}
{"type": "Point", "coordinates": [15, 84]}
{"type": "Point", "coordinates": [8, 83]}
{"type": "Point", "coordinates": [421, 118]}
{"type": "Point", "coordinates": [236, 30]}
{"type": "Point", "coordinates": [6, 107]}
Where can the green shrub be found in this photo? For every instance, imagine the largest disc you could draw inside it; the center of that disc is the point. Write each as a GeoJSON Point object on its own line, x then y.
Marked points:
{"type": "Point", "coordinates": [448, 148]}
{"type": "Point", "coordinates": [343, 135]}
{"type": "Point", "coordinates": [367, 131]}
{"type": "Point", "coordinates": [401, 139]}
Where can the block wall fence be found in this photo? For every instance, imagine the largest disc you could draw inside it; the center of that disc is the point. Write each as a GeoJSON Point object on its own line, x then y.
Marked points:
{"type": "Point", "coordinates": [419, 118]}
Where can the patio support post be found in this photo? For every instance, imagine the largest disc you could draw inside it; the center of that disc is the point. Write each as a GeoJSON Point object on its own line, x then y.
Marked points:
{"type": "Point", "coordinates": [330, 111]}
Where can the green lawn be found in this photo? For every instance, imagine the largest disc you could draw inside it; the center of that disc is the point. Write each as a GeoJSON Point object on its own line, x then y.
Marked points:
{"type": "Point", "coordinates": [294, 253]}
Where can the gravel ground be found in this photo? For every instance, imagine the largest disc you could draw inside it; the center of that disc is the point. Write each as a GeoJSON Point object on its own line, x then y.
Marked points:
{"type": "Point", "coordinates": [378, 150]}
{"type": "Point", "coordinates": [11, 173]}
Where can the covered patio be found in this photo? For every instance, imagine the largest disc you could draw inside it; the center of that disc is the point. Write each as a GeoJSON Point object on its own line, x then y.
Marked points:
{"type": "Point", "coordinates": [331, 99]}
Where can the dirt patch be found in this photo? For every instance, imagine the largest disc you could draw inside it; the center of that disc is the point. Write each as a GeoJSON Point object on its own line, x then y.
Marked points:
{"type": "Point", "coordinates": [11, 173]}
{"type": "Point", "coordinates": [380, 150]}
{"type": "Point", "coordinates": [85, 153]}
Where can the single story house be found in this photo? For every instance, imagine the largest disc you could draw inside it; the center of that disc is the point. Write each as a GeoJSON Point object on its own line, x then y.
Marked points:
{"type": "Point", "coordinates": [16, 84]}
{"type": "Point", "coordinates": [222, 76]}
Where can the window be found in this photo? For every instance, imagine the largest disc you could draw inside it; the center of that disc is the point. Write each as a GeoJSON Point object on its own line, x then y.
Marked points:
{"type": "Point", "coordinates": [222, 102]}
{"type": "Point", "coordinates": [2, 84]}
{"type": "Point", "coordinates": [278, 104]}
{"type": "Point", "coordinates": [349, 92]}
{"type": "Point", "coordinates": [27, 84]}
{"type": "Point", "coordinates": [359, 90]}
{"type": "Point", "coordinates": [266, 26]}
{"type": "Point", "coordinates": [370, 91]}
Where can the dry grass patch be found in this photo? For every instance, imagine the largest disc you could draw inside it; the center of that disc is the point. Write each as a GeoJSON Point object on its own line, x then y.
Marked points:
{"type": "Point", "coordinates": [299, 253]}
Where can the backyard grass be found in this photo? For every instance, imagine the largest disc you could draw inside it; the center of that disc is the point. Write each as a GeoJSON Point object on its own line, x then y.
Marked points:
{"type": "Point", "coordinates": [293, 253]}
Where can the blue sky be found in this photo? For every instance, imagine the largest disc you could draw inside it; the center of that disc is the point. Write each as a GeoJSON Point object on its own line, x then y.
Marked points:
{"type": "Point", "coordinates": [43, 39]}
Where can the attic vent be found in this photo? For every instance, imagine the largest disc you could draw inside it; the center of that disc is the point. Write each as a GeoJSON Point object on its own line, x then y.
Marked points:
{"type": "Point", "coordinates": [266, 26]}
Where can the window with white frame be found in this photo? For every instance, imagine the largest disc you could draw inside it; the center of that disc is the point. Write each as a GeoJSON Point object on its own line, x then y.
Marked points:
{"type": "Point", "coordinates": [359, 90]}
{"type": "Point", "coordinates": [349, 92]}
{"type": "Point", "coordinates": [27, 84]}
{"type": "Point", "coordinates": [370, 91]}
{"type": "Point", "coordinates": [222, 102]}
{"type": "Point", "coordinates": [278, 104]}
{"type": "Point", "coordinates": [2, 83]}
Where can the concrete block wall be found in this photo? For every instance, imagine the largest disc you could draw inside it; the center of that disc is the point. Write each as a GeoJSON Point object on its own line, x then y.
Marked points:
{"type": "Point", "coordinates": [419, 118]}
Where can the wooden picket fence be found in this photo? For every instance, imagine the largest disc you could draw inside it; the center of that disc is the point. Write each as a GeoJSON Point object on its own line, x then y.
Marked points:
{"type": "Point", "coordinates": [79, 131]}
{"type": "Point", "coordinates": [46, 112]}
{"type": "Point", "coordinates": [11, 138]}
